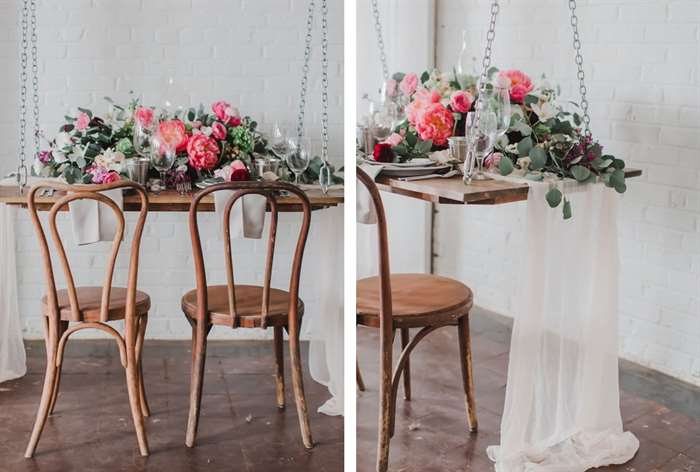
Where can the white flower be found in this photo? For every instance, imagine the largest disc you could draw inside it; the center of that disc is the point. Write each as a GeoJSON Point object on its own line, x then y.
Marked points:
{"type": "Point", "coordinates": [269, 176]}
{"type": "Point", "coordinates": [544, 111]}
{"type": "Point", "coordinates": [441, 157]}
{"type": "Point", "coordinates": [41, 170]}
{"type": "Point", "coordinates": [206, 130]}
{"type": "Point", "coordinates": [63, 140]}
{"type": "Point", "coordinates": [512, 148]}
{"type": "Point", "coordinates": [524, 164]}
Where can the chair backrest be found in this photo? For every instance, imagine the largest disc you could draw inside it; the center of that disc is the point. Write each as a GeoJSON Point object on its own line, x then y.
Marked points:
{"type": "Point", "coordinates": [87, 192]}
{"type": "Point", "coordinates": [269, 190]}
{"type": "Point", "coordinates": [385, 311]}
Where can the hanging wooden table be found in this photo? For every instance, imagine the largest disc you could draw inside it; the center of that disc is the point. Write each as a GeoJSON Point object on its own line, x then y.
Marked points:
{"type": "Point", "coordinates": [171, 200]}
{"type": "Point", "coordinates": [453, 190]}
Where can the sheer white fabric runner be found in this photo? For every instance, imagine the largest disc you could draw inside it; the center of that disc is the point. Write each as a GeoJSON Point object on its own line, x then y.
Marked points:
{"type": "Point", "coordinates": [562, 409]}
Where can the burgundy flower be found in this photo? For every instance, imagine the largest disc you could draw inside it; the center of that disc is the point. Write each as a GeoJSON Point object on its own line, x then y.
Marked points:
{"type": "Point", "coordinates": [383, 152]}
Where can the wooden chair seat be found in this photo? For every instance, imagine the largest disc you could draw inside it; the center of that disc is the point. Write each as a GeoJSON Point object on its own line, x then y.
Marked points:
{"type": "Point", "coordinates": [417, 300]}
{"type": "Point", "coordinates": [89, 299]}
{"type": "Point", "coordinates": [248, 305]}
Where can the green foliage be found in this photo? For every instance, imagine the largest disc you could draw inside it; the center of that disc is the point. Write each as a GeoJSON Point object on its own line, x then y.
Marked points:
{"type": "Point", "coordinates": [553, 197]}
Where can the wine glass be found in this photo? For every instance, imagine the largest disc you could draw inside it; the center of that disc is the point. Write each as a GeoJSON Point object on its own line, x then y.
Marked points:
{"type": "Point", "coordinates": [142, 137]}
{"type": "Point", "coordinates": [385, 120]}
{"type": "Point", "coordinates": [497, 99]}
{"type": "Point", "coordinates": [298, 156]}
{"type": "Point", "coordinates": [278, 140]}
{"type": "Point", "coordinates": [481, 134]}
{"type": "Point", "coordinates": [163, 153]}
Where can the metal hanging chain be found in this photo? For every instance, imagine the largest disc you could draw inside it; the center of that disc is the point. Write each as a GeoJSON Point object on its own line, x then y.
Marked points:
{"type": "Point", "coordinates": [324, 80]}
{"type": "Point", "coordinates": [305, 69]}
{"type": "Point", "coordinates": [486, 61]}
{"type": "Point", "coordinates": [35, 77]}
{"type": "Point", "coordinates": [21, 174]}
{"type": "Point", "coordinates": [581, 74]}
{"type": "Point", "coordinates": [380, 39]}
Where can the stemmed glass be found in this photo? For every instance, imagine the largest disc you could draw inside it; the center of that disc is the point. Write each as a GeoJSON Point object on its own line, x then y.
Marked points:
{"type": "Point", "coordinates": [481, 137]}
{"type": "Point", "coordinates": [279, 140]}
{"type": "Point", "coordinates": [142, 137]}
{"type": "Point", "coordinates": [298, 156]}
{"type": "Point", "coordinates": [385, 120]}
{"type": "Point", "coordinates": [163, 153]}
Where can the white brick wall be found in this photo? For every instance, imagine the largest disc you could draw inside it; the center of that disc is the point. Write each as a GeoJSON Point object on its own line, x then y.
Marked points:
{"type": "Point", "coordinates": [642, 69]}
{"type": "Point", "coordinates": [248, 52]}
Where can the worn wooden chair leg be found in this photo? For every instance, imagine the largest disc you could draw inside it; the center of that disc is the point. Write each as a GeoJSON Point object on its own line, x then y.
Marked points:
{"type": "Point", "coordinates": [465, 356]}
{"type": "Point", "coordinates": [63, 325]}
{"type": "Point", "coordinates": [132, 384]}
{"type": "Point", "coordinates": [360, 383]}
{"type": "Point", "coordinates": [143, 322]}
{"type": "Point", "coordinates": [386, 412]}
{"type": "Point", "coordinates": [199, 354]}
{"type": "Point", "coordinates": [298, 384]}
{"type": "Point", "coordinates": [279, 365]}
{"type": "Point", "coordinates": [46, 395]}
{"type": "Point", "coordinates": [405, 339]}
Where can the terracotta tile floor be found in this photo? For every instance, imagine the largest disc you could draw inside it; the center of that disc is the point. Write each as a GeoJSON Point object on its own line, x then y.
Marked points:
{"type": "Point", "coordinates": [431, 429]}
{"type": "Point", "coordinates": [91, 429]}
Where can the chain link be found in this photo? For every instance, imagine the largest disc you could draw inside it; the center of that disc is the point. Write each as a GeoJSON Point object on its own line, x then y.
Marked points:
{"type": "Point", "coordinates": [305, 69]}
{"type": "Point", "coordinates": [324, 80]}
{"type": "Point", "coordinates": [24, 46]}
{"type": "Point", "coordinates": [486, 61]}
{"type": "Point", "coordinates": [35, 77]}
{"type": "Point", "coordinates": [579, 63]}
{"type": "Point", "coordinates": [380, 39]}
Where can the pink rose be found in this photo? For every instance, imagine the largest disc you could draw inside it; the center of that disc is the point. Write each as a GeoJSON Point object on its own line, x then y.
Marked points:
{"type": "Point", "coordinates": [144, 117]}
{"type": "Point", "coordinates": [520, 84]}
{"type": "Point", "coordinates": [203, 152]}
{"type": "Point", "coordinates": [218, 131]}
{"type": "Point", "coordinates": [98, 173]}
{"type": "Point", "coordinates": [421, 100]}
{"type": "Point", "coordinates": [394, 140]}
{"type": "Point", "coordinates": [174, 133]}
{"type": "Point", "coordinates": [391, 88]}
{"type": "Point", "coordinates": [110, 177]}
{"type": "Point", "coordinates": [239, 171]}
{"type": "Point", "coordinates": [461, 101]}
{"type": "Point", "coordinates": [82, 122]}
{"type": "Point", "coordinates": [409, 84]}
{"type": "Point", "coordinates": [226, 113]}
{"type": "Point", "coordinates": [435, 123]}
{"type": "Point", "coordinates": [493, 160]}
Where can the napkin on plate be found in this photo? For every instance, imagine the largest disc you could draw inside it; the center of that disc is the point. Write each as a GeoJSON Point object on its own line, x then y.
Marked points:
{"type": "Point", "coordinates": [366, 213]}
{"type": "Point", "coordinates": [94, 221]}
{"type": "Point", "coordinates": [247, 214]}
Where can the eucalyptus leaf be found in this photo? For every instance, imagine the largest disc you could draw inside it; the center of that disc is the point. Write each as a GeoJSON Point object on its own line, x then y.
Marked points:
{"type": "Point", "coordinates": [530, 100]}
{"type": "Point", "coordinates": [553, 197]}
{"type": "Point", "coordinates": [580, 173]}
{"type": "Point", "coordinates": [524, 146]}
{"type": "Point", "coordinates": [505, 166]}
{"type": "Point", "coordinates": [617, 178]}
{"type": "Point", "coordinates": [621, 188]}
{"type": "Point", "coordinates": [538, 158]}
{"type": "Point", "coordinates": [566, 209]}
{"type": "Point", "coordinates": [424, 77]}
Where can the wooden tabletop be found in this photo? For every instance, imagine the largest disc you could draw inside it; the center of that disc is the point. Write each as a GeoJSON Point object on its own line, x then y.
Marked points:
{"type": "Point", "coordinates": [453, 190]}
{"type": "Point", "coordinates": [170, 200]}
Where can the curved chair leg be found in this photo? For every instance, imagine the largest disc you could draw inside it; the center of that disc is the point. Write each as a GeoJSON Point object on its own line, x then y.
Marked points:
{"type": "Point", "coordinates": [298, 384]}
{"type": "Point", "coordinates": [42, 414]}
{"type": "Point", "coordinates": [386, 409]}
{"type": "Point", "coordinates": [279, 365]}
{"type": "Point", "coordinates": [465, 356]}
{"type": "Point", "coordinates": [57, 382]}
{"type": "Point", "coordinates": [360, 383]}
{"type": "Point", "coordinates": [405, 338]}
{"type": "Point", "coordinates": [199, 354]}
{"type": "Point", "coordinates": [132, 384]}
{"type": "Point", "coordinates": [143, 322]}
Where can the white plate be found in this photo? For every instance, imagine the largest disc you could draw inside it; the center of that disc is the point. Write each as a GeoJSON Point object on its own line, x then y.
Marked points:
{"type": "Point", "coordinates": [414, 171]}
{"type": "Point", "coordinates": [422, 162]}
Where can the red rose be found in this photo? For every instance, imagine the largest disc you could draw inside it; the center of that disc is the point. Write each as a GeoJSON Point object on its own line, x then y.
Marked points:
{"type": "Point", "coordinates": [383, 152]}
{"type": "Point", "coordinates": [239, 174]}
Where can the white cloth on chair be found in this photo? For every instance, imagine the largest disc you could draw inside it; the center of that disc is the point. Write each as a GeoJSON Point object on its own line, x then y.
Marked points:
{"type": "Point", "coordinates": [562, 409]}
{"type": "Point", "coordinates": [247, 214]}
{"type": "Point", "coordinates": [93, 221]}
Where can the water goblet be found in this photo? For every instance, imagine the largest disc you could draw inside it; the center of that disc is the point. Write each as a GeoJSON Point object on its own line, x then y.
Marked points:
{"type": "Point", "coordinates": [163, 153]}
{"type": "Point", "coordinates": [298, 156]}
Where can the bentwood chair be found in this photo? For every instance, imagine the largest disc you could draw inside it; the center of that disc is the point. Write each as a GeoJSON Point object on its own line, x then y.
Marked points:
{"type": "Point", "coordinates": [247, 306]}
{"type": "Point", "coordinates": [393, 302]}
{"type": "Point", "coordinates": [75, 308]}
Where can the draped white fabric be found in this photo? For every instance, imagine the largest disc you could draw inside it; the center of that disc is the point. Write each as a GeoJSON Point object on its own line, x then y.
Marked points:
{"type": "Point", "coordinates": [12, 355]}
{"type": "Point", "coordinates": [562, 410]}
{"type": "Point", "coordinates": [325, 327]}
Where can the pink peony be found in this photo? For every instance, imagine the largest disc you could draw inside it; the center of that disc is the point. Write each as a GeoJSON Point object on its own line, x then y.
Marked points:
{"type": "Point", "coordinates": [435, 123]}
{"type": "Point", "coordinates": [421, 100]}
{"type": "Point", "coordinates": [174, 133]}
{"type": "Point", "coordinates": [225, 113]}
{"type": "Point", "coordinates": [144, 117]}
{"type": "Point", "coordinates": [82, 122]}
{"type": "Point", "coordinates": [520, 84]}
{"type": "Point", "coordinates": [493, 160]}
{"type": "Point", "coordinates": [203, 152]}
{"type": "Point", "coordinates": [409, 84]}
{"type": "Point", "coordinates": [110, 177]}
{"type": "Point", "coordinates": [461, 101]}
{"type": "Point", "coordinates": [391, 88]}
{"type": "Point", "coordinates": [394, 140]}
{"type": "Point", "coordinates": [218, 131]}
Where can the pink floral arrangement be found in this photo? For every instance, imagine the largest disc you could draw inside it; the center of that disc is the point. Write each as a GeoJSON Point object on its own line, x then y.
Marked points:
{"type": "Point", "coordinates": [203, 152]}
